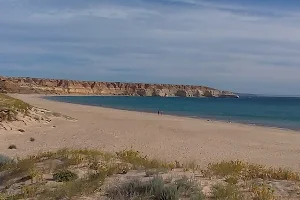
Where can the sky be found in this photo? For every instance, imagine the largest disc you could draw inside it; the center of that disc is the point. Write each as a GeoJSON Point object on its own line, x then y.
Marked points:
{"type": "Point", "coordinates": [249, 46]}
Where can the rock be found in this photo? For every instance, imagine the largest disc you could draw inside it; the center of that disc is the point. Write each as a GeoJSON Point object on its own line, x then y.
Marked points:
{"type": "Point", "coordinates": [54, 86]}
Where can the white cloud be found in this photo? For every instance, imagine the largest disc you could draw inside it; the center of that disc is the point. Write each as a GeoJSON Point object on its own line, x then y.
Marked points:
{"type": "Point", "coordinates": [212, 44]}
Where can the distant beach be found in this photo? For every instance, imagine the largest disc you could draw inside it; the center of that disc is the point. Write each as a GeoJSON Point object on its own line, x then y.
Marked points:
{"type": "Point", "coordinates": [278, 112]}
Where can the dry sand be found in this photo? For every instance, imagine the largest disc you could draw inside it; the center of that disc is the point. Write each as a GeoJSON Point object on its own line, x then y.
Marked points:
{"type": "Point", "coordinates": [165, 137]}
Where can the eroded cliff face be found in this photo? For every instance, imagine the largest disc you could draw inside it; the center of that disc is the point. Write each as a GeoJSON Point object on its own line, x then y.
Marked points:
{"type": "Point", "coordinates": [65, 87]}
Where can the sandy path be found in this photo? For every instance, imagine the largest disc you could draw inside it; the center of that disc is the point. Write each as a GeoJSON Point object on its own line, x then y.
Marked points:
{"type": "Point", "coordinates": [165, 137]}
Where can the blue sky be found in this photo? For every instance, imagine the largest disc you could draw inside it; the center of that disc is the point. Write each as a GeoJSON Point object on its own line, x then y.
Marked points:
{"type": "Point", "coordinates": [245, 46]}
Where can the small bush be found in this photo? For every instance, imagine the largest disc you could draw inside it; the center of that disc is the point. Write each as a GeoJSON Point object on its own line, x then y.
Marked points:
{"type": "Point", "coordinates": [140, 161]}
{"type": "Point", "coordinates": [168, 193]}
{"type": "Point", "coordinates": [192, 165]}
{"type": "Point", "coordinates": [64, 176]}
{"type": "Point", "coordinates": [29, 191]}
{"type": "Point", "coordinates": [16, 168]}
{"type": "Point", "coordinates": [177, 164]}
{"type": "Point", "coordinates": [247, 171]}
{"type": "Point", "coordinates": [2, 196]}
{"type": "Point", "coordinates": [32, 139]}
{"type": "Point", "coordinates": [4, 160]}
{"type": "Point", "coordinates": [226, 192]}
{"type": "Point", "coordinates": [223, 168]}
{"type": "Point", "coordinates": [197, 196]}
{"type": "Point", "coordinates": [188, 188]}
{"type": "Point", "coordinates": [156, 189]}
{"type": "Point", "coordinates": [127, 191]}
{"type": "Point", "coordinates": [35, 175]}
{"type": "Point", "coordinates": [262, 192]}
{"type": "Point", "coordinates": [86, 186]}
{"type": "Point", "coordinates": [184, 184]}
{"type": "Point", "coordinates": [151, 172]}
{"type": "Point", "coordinates": [12, 146]}
{"type": "Point", "coordinates": [231, 180]}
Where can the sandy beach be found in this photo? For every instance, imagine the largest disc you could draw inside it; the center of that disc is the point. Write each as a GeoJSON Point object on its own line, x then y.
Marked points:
{"type": "Point", "coordinates": [164, 137]}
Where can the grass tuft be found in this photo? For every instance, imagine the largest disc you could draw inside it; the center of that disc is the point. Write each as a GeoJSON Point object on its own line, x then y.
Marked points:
{"type": "Point", "coordinates": [64, 176]}
{"type": "Point", "coordinates": [4, 160]}
{"type": "Point", "coordinates": [237, 177]}
{"type": "Point", "coordinates": [226, 192]}
{"type": "Point", "coordinates": [247, 171]}
{"type": "Point", "coordinates": [10, 107]}
{"type": "Point", "coordinates": [140, 161]}
{"type": "Point", "coordinates": [79, 187]}
{"type": "Point", "coordinates": [262, 192]}
{"type": "Point", "coordinates": [156, 189]}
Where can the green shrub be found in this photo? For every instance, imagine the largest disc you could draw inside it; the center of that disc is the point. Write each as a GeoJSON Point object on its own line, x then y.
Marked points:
{"type": "Point", "coordinates": [197, 196]}
{"type": "Point", "coordinates": [85, 186]}
{"type": "Point", "coordinates": [129, 190]}
{"type": "Point", "coordinates": [156, 189]}
{"type": "Point", "coordinates": [226, 192]}
{"type": "Point", "coordinates": [188, 188]}
{"type": "Point", "coordinates": [168, 193]}
{"type": "Point", "coordinates": [64, 176]}
{"type": "Point", "coordinates": [184, 183]}
{"type": "Point", "coordinates": [4, 160]}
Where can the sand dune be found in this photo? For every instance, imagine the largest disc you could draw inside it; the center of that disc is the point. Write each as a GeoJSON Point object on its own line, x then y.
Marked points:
{"type": "Point", "coordinates": [165, 137]}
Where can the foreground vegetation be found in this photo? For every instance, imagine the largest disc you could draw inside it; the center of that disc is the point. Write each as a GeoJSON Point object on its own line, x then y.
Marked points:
{"type": "Point", "coordinates": [71, 174]}
{"type": "Point", "coordinates": [10, 107]}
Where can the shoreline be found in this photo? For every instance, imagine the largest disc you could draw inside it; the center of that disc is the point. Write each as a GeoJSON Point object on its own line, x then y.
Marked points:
{"type": "Point", "coordinates": [163, 137]}
{"type": "Point", "coordinates": [48, 97]}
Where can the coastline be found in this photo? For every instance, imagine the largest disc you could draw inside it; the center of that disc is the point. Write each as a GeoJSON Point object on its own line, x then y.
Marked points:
{"type": "Point", "coordinates": [164, 137]}
{"type": "Point", "coordinates": [237, 122]}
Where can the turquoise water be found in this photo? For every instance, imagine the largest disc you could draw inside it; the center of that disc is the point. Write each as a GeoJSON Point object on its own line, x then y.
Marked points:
{"type": "Point", "coordinates": [282, 112]}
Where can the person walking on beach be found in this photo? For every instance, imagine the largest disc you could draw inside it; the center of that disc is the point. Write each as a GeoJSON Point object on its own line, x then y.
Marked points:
{"type": "Point", "coordinates": [158, 112]}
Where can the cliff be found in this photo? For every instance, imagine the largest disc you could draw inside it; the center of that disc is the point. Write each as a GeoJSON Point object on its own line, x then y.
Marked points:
{"type": "Point", "coordinates": [65, 87]}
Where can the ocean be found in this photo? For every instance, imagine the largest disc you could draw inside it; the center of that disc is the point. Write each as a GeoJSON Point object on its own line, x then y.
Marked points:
{"type": "Point", "coordinates": [280, 112]}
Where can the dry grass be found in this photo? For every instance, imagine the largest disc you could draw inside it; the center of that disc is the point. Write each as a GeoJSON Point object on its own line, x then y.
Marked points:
{"type": "Point", "coordinates": [227, 192]}
{"type": "Point", "coordinates": [15, 104]}
{"type": "Point", "coordinates": [12, 106]}
{"type": "Point", "coordinates": [100, 165]}
{"type": "Point", "coordinates": [139, 161]}
{"type": "Point", "coordinates": [64, 176]}
{"type": "Point", "coordinates": [156, 189]}
{"type": "Point", "coordinates": [262, 192]}
{"type": "Point", "coordinates": [247, 171]}
{"type": "Point", "coordinates": [85, 186]}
